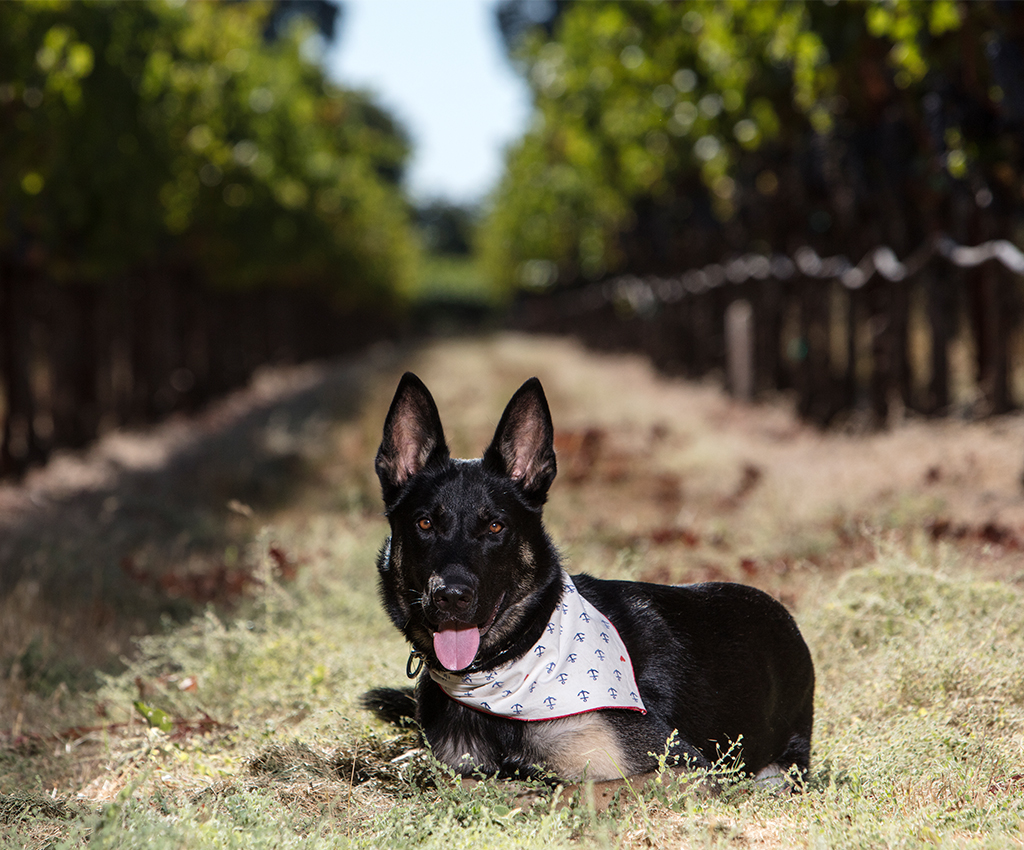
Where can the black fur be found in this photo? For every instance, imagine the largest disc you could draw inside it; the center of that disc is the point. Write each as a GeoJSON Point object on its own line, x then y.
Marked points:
{"type": "Point", "coordinates": [394, 705]}
{"type": "Point", "coordinates": [723, 665]}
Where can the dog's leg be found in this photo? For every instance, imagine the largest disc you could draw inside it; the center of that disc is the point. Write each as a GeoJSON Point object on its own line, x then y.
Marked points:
{"type": "Point", "coordinates": [780, 774]}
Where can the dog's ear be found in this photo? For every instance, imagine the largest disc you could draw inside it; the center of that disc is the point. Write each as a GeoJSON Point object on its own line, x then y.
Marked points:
{"type": "Point", "coordinates": [523, 445]}
{"type": "Point", "coordinates": [413, 437]}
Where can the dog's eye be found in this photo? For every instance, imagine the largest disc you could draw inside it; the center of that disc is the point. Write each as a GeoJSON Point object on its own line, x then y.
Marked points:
{"type": "Point", "coordinates": [425, 524]}
{"type": "Point", "coordinates": [495, 527]}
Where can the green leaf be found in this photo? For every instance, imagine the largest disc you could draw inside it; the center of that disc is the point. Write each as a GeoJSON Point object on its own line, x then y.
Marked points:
{"type": "Point", "coordinates": [154, 716]}
{"type": "Point", "coordinates": [943, 17]}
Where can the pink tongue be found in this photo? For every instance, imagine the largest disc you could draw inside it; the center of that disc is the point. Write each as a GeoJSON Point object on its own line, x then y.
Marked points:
{"type": "Point", "coordinates": [455, 645]}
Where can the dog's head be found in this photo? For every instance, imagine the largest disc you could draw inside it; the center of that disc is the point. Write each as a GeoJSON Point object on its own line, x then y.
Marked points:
{"type": "Point", "coordinates": [468, 562]}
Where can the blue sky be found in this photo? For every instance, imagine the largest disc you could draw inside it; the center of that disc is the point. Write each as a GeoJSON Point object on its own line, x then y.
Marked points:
{"type": "Point", "coordinates": [439, 67]}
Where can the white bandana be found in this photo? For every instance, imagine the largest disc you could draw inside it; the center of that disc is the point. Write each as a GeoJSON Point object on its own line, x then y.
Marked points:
{"type": "Point", "coordinates": [579, 664]}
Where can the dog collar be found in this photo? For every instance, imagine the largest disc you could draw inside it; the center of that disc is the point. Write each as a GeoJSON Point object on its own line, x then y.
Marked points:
{"type": "Point", "coordinates": [579, 664]}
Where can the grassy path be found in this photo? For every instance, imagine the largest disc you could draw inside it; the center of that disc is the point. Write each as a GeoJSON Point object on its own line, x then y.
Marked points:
{"type": "Point", "coordinates": [900, 553]}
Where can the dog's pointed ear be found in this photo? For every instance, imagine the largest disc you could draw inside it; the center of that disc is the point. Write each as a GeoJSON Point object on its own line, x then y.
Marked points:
{"type": "Point", "coordinates": [413, 437]}
{"type": "Point", "coordinates": [523, 445]}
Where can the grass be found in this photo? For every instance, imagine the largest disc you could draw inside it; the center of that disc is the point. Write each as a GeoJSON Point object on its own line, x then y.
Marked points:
{"type": "Point", "coordinates": [919, 736]}
{"type": "Point", "coordinates": [918, 646]}
{"type": "Point", "coordinates": [449, 277]}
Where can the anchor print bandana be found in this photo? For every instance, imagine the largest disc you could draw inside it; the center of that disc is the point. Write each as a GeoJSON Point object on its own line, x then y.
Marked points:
{"type": "Point", "coordinates": [579, 664]}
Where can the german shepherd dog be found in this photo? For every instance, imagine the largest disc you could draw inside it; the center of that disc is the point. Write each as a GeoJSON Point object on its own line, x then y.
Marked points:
{"type": "Point", "coordinates": [528, 672]}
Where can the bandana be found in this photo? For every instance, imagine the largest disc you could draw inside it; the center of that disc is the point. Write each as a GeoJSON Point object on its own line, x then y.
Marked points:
{"type": "Point", "coordinates": [579, 664]}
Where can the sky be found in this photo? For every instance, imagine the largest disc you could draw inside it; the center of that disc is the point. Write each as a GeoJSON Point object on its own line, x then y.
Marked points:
{"type": "Point", "coordinates": [439, 67]}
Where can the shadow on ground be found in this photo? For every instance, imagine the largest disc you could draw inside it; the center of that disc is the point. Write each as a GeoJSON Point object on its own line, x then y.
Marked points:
{"type": "Point", "coordinates": [146, 525]}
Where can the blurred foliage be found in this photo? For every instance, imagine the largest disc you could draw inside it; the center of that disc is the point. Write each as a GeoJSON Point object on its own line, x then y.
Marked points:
{"type": "Point", "coordinates": [665, 135]}
{"type": "Point", "coordinates": [515, 18]}
{"type": "Point", "coordinates": [450, 280]}
{"type": "Point", "coordinates": [136, 135]}
{"type": "Point", "coordinates": [327, 16]}
{"type": "Point", "coordinates": [447, 228]}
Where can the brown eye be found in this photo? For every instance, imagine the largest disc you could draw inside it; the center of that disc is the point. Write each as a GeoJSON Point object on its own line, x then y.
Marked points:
{"type": "Point", "coordinates": [495, 527]}
{"type": "Point", "coordinates": [425, 524]}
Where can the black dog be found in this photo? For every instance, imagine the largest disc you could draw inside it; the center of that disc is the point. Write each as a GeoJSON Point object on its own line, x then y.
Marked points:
{"type": "Point", "coordinates": [532, 673]}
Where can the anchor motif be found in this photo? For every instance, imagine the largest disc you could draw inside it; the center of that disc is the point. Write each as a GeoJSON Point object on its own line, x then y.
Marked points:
{"type": "Point", "coordinates": [550, 662]}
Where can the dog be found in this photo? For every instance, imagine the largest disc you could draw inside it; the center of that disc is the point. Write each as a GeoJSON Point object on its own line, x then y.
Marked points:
{"type": "Point", "coordinates": [530, 673]}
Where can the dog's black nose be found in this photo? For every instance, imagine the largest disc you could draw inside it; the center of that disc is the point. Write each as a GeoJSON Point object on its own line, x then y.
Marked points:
{"type": "Point", "coordinates": [454, 599]}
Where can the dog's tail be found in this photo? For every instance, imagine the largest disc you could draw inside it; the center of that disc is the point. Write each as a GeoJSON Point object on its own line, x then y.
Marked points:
{"type": "Point", "coordinates": [392, 705]}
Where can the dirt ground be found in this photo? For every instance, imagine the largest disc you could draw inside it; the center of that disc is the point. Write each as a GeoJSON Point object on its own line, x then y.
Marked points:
{"type": "Point", "coordinates": [671, 479]}
{"type": "Point", "coordinates": [732, 488]}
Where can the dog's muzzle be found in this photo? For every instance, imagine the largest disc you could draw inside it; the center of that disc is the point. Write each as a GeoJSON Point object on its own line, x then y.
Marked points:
{"type": "Point", "coordinates": [453, 599]}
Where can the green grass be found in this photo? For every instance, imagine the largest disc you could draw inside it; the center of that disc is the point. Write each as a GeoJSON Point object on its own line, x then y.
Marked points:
{"type": "Point", "coordinates": [448, 277]}
{"type": "Point", "coordinates": [919, 737]}
{"type": "Point", "coordinates": [919, 734]}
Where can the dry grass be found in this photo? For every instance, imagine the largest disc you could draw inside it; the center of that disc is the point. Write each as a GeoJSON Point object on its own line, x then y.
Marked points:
{"type": "Point", "coordinates": [899, 552]}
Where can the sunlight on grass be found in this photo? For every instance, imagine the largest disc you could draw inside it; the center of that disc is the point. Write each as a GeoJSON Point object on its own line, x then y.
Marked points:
{"type": "Point", "coordinates": [918, 738]}
{"type": "Point", "coordinates": [919, 733]}
{"type": "Point", "coordinates": [453, 278]}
